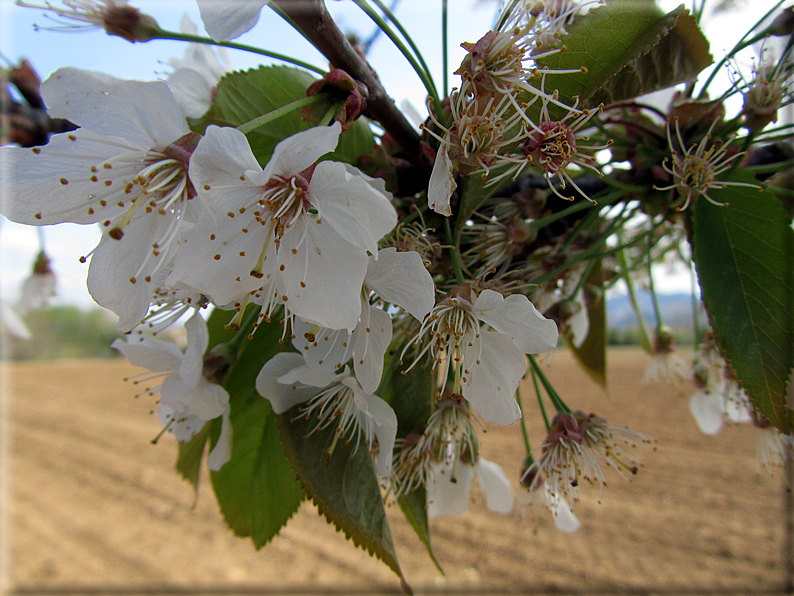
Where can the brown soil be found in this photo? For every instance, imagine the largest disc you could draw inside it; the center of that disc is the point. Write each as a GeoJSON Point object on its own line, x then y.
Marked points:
{"type": "Point", "coordinates": [96, 508]}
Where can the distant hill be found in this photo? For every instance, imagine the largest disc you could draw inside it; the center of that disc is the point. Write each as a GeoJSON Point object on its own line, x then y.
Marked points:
{"type": "Point", "coordinates": [676, 311]}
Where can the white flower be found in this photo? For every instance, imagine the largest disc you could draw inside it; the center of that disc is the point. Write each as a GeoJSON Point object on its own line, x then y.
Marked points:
{"type": "Point", "coordinates": [126, 167]}
{"type": "Point", "coordinates": [487, 365]}
{"type": "Point", "coordinates": [398, 278]}
{"type": "Point", "coordinates": [294, 233]}
{"type": "Point", "coordinates": [449, 487]}
{"type": "Point", "coordinates": [227, 19]}
{"type": "Point", "coordinates": [187, 399]}
{"type": "Point", "coordinates": [195, 78]}
{"type": "Point", "coordinates": [334, 400]}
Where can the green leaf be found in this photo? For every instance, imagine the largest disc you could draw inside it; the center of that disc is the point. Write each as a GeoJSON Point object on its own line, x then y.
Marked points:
{"type": "Point", "coordinates": [188, 461]}
{"type": "Point", "coordinates": [629, 48]}
{"type": "Point", "coordinates": [343, 486]}
{"type": "Point", "coordinates": [414, 507]}
{"type": "Point", "coordinates": [256, 489]}
{"type": "Point", "coordinates": [743, 252]}
{"type": "Point", "coordinates": [245, 95]}
{"type": "Point", "coordinates": [412, 397]}
{"type": "Point", "coordinates": [592, 354]}
{"type": "Point", "coordinates": [356, 141]}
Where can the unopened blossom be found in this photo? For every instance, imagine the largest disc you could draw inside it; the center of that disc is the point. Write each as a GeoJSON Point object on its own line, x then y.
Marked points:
{"type": "Point", "coordinates": [126, 168]}
{"type": "Point", "coordinates": [334, 401]}
{"type": "Point", "coordinates": [187, 400]}
{"type": "Point", "coordinates": [116, 17]}
{"type": "Point", "coordinates": [398, 278]}
{"type": "Point", "coordinates": [486, 366]}
{"type": "Point", "coordinates": [227, 19]}
{"type": "Point", "coordinates": [694, 172]}
{"type": "Point", "coordinates": [296, 233]}
{"type": "Point", "coordinates": [195, 78]}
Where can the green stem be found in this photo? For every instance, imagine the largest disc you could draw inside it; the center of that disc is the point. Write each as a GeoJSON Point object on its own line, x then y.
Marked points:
{"type": "Point", "coordinates": [738, 47]}
{"type": "Point", "coordinates": [772, 167]}
{"type": "Point", "coordinates": [277, 9]}
{"type": "Point", "coordinates": [556, 400]}
{"type": "Point", "coordinates": [576, 207]}
{"type": "Point", "coordinates": [454, 252]}
{"type": "Point", "coordinates": [645, 340]}
{"type": "Point", "coordinates": [523, 422]}
{"type": "Point", "coordinates": [384, 26]}
{"type": "Point", "coordinates": [247, 127]}
{"type": "Point", "coordinates": [329, 115]}
{"type": "Point", "coordinates": [162, 34]}
{"type": "Point", "coordinates": [656, 306]}
{"type": "Point", "coordinates": [540, 401]}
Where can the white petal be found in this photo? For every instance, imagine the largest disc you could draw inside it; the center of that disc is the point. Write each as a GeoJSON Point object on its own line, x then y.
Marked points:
{"type": "Point", "coordinates": [517, 317]}
{"type": "Point", "coordinates": [198, 338]}
{"type": "Point", "coordinates": [490, 385]}
{"type": "Point", "coordinates": [707, 410]}
{"type": "Point", "coordinates": [52, 184]}
{"type": "Point", "coordinates": [227, 19]}
{"type": "Point", "coordinates": [221, 157]}
{"type": "Point", "coordinates": [372, 336]}
{"type": "Point", "coordinates": [304, 375]}
{"type": "Point", "coordinates": [322, 278]}
{"type": "Point", "coordinates": [121, 276]}
{"type": "Point", "coordinates": [296, 153]}
{"type": "Point", "coordinates": [328, 350]}
{"type": "Point", "coordinates": [580, 321]}
{"type": "Point", "coordinates": [154, 354]}
{"type": "Point", "coordinates": [385, 430]}
{"type": "Point", "coordinates": [192, 91]}
{"type": "Point", "coordinates": [282, 397]}
{"type": "Point", "coordinates": [442, 183]}
{"type": "Point", "coordinates": [360, 214]}
{"type": "Point", "coordinates": [498, 491]}
{"type": "Point", "coordinates": [564, 518]}
{"type": "Point", "coordinates": [401, 278]}
{"type": "Point", "coordinates": [448, 488]}
{"type": "Point", "coordinates": [222, 451]}
{"type": "Point", "coordinates": [217, 260]}
{"type": "Point", "coordinates": [144, 113]}
{"type": "Point", "coordinates": [208, 400]}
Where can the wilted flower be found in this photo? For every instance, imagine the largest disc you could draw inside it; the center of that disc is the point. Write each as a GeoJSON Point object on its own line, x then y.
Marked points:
{"type": "Point", "coordinates": [574, 449]}
{"type": "Point", "coordinates": [695, 172]}
{"type": "Point", "coordinates": [116, 17]}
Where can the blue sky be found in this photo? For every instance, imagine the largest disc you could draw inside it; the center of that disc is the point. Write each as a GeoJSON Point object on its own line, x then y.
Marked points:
{"type": "Point", "coordinates": [95, 50]}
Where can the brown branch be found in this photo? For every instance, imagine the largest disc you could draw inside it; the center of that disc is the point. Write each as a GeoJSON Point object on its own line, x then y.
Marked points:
{"type": "Point", "coordinates": [312, 17]}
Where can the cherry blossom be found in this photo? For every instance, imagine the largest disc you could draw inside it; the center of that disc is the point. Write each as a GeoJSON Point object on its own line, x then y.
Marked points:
{"type": "Point", "coordinates": [398, 278]}
{"type": "Point", "coordinates": [187, 400]}
{"type": "Point", "coordinates": [334, 400]}
{"type": "Point", "coordinates": [126, 167]}
{"type": "Point", "coordinates": [486, 366]}
{"type": "Point", "coordinates": [296, 233]}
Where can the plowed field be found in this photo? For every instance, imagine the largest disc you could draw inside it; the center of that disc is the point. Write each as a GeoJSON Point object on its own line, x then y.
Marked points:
{"type": "Point", "coordinates": [95, 508]}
